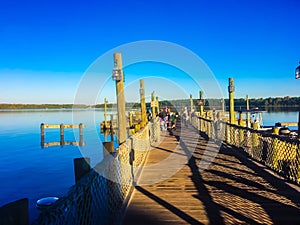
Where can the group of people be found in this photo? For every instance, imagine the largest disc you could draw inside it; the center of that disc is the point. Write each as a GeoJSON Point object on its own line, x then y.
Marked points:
{"type": "Point", "coordinates": [167, 119]}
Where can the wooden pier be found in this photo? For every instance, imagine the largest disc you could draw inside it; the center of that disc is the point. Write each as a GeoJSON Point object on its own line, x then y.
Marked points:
{"type": "Point", "coordinates": [62, 128]}
{"type": "Point", "coordinates": [232, 190]}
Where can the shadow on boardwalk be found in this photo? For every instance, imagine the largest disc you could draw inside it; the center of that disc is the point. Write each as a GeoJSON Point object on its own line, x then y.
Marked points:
{"type": "Point", "coordinates": [231, 190]}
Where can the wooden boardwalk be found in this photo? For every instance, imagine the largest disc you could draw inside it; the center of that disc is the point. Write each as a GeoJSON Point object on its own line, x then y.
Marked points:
{"type": "Point", "coordinates": [231, 190]}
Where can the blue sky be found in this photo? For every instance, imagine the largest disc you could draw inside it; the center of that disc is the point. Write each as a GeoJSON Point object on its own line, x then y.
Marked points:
{"type": "Point", "coordinates": [47, 46]}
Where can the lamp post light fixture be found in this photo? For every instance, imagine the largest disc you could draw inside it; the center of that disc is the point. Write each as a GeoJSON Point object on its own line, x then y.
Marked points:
{"type": "Point", "coordinates": [297, 72]}
{"type": "Point", "coordinates": [116, 72]}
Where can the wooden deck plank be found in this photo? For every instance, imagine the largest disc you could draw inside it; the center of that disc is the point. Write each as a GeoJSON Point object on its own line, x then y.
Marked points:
{"type": "Point", "coordinates": [232, 190]}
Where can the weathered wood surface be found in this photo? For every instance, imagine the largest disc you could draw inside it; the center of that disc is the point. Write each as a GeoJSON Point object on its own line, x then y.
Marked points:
{"type": "Point", "coordinates": [232, 190]}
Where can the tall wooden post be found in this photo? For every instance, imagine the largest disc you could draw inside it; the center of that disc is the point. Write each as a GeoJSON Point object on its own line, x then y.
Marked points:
{"type": "Point", "coordinates": [153, 105]}
{"type": "Point", "coordinates": [62, 135]}
{"type": "Point", "coordinates": [80, 134]}
{"type": "Point", "coordinates": [231, 101]}
{"type": "Point", "coordinates": [105, 101]}
{"type": "Point", "coordinates": [15, 213]}
{"type": "Point", "coordinates": [108, 148]}
{"type": "Point", "coordinates": [120, 100]}
{"type": "Point", "coordinates": [157, 105]}
{"type": "Point", "coordinates": [111, 127]}
{"type": "Point", "coordinates": [42, 135]}
{"type": "Point", "coordinates": [143, 103]}
{"type": "Point", "coordinates": [223, 105]}
{"type": "Point", "coordinates": [248, 114]}
{"type": "Point", "coordinates": [81, 167]}
{"type": "Point", "coordinates": [201, 103]}
{"type": "Point", "coordinates": [191, 103]}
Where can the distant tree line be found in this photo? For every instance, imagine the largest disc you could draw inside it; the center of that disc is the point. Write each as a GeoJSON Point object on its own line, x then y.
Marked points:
{"type": "Point", "coordinates": [282, 102]}
{"type": "Point", "coordinates": [40, 106]}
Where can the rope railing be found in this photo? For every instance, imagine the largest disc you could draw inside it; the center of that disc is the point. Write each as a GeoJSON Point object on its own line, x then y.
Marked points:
{"type": "Point", "coordinates": [280, 153]}
{"type": "Point", "coordinates": [100, 196]}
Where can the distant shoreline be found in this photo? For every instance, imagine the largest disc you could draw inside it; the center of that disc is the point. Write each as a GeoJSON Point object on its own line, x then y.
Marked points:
{"type": "Point", "coordinates": [283, 102]}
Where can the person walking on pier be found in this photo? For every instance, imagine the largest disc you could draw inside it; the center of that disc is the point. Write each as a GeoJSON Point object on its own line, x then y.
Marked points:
{"type": "Point", "coordinates": [162, 118]}
{"type": "Point", "coordinates": [185, 116]}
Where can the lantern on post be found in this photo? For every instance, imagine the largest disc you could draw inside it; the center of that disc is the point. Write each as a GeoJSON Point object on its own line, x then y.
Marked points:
{"type": "Point", "coordinates": [116, 72]}
{"type": "Point", "coordinates": [297, 72]}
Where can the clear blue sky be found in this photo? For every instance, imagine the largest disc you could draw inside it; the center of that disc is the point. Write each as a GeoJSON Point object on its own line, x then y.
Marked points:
{"type": "Point", "coordinates": [46, 46]}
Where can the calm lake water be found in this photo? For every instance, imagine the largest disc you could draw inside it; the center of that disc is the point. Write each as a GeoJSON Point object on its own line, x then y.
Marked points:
{"type": "Point", "coordinates": [27, 170]}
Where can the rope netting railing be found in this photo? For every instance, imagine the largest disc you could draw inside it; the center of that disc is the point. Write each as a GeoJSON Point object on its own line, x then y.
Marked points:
{"type": "Point", "coordinates": [280, 153]}
{"type": "Point", "coordinates": [100, 196]}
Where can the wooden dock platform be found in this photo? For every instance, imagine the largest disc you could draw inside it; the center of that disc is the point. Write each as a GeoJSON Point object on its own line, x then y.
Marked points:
{"type": "Point", "coordinates": [232, 190]}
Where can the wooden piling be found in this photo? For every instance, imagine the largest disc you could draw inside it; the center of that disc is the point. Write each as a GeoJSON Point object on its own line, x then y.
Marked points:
{"type": "Point", "coordinates": [15, 213]}
{"type": "Point", "coordinates": [42, 135]}
{"type": "Point", "coordinates": [153, 105]}
{"type": "Point", "coordinates": [105, 101]}
{"type": "Point", "coordinates": [157, 105]}
{"type": "Point", "coordinates": [143, 103]}
{"type": "Point", "coordinates": [201, 103]}
{"type": "Point", "coordinates": [81, 143]}
{"type": "Point", "coordinates": [111, 127]}
{"type": "Point", "coordinates": [191, 103]}
{"type": "Point", "coordinates": [240, 118]}
{"type": "Point", "coordinates": [108, 148]}
{"type": "Point", "coordinates": [231, 101]}
{"type": "Point", "coordinates": [81, 167]}
{"type": "Point", "coordinates": [247, 114]}
{"type": "Point", "coordinates": [130, 115]}
{"type": "Point", "coordinates": [223, 105]}
{"type": "Point", "coordinates": [255, 136]}
{"type": "Point", "coordinates": [62, 135]}
{"type": "Point", "coordinates": [120, 100]}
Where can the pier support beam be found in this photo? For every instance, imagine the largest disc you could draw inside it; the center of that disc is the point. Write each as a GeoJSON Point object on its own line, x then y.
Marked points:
{"type": "Point", "coordinates": [247, 114]}
{"type": "Point", "coordinates": [231, 101]}
{"type": "Point", "coordinates": [62, 135]}
{"type": "Point", "coordinates": [108, 148]}
{"type": "Point", "coordinates": [42, 135]}
{"type": "Point", "coordinates": [201, 103]}
{"type": "Point", "coordinates": [81, 167]}
{"type": "Point", "coordinates": [157, 105]}
{"type": "Point", "coordinates": [143, 103]}
{"type": "Point", "coordinates": [120, 99]}
{"type": "Point", "coordinates": [105, 102]}
{"type": "Point", "coordinates": [15, 213]}
{"type": "Point", "coordinates": [153, 105]}
{"type": "Point", "coordinates": [191, 103]}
